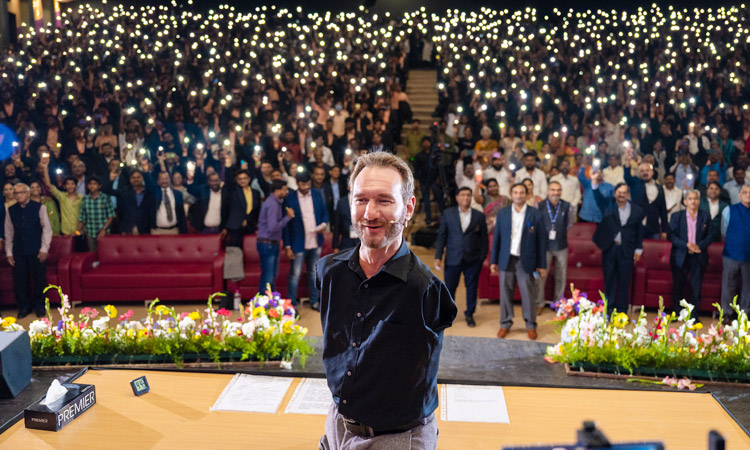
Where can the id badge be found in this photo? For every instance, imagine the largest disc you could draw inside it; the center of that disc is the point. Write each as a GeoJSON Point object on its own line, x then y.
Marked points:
{"type": "Point", "coordinates": [552, 235]}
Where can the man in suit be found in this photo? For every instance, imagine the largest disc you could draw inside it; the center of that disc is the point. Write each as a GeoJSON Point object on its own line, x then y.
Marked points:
{"type": "Point", "coordinates": [519, 249]}
{"type": "Point", "coordinates": [241, 207]}
{"type": "Point", "coordinates": [205, 214]}
{"type": "Point", "coordinates": [714, 206]}
{"type": "Point", "coordinates": [620, 238]}
{"type": "Point", "coordinates": [28, 234]}
{"type": "Point", "coordinates": [735, 275]}
{"type": "Point", "coordinates": [649, 196]}
{"type": "Point", "coordinates": [167, 214]}
{"type": "Point", "coordinates": [303, 235]}
{"type": "Point", "coordinates": [134, 201]}
{"type": "Point", "coordinates": [464, 231]}
{"type": "Point", "coordinates": [690, 233]}
{"type": "Point", "coordinates": [558, 216]}
{"type": "Point", "coordinates": [344, 235]}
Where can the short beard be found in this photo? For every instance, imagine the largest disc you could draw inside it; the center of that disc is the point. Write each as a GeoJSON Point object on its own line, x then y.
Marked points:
{"type": "Point", "coordinates": [392, 231]}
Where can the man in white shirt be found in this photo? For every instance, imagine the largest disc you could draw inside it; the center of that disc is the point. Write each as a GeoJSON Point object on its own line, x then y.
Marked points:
{"type": "Point", "coordinates": [735, 186]}
{"type": "Point", "coordinates": [529, 170]}
{"type": "Point", "coordinates": [672, 195]}
{"type": "Point", "coordinates": [466, 178]}
{"type": "Point", "coordinates": [168, 216]}
{"type": "Point", "coordinates": [205, 214]}
{"type": "Point", "coordinates": [499, 173]}
{"type": "Point", "coordinates": [519, 253]}
{"type": "Point", "coordinates": [571, 187]}
{"type": "Point", "coordinates": [614, 173]}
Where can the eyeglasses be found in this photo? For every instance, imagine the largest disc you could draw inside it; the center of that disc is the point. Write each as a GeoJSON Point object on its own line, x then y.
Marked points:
{"type": "Point", "coordinates": [20, 192]}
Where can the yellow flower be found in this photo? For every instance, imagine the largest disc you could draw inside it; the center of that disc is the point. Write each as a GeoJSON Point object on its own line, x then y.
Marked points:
{"type": "Point", "coordinates": [195, 315]}
{"type": "Point", "coordinates": [111, 311]}
{"type": "Point", "coordinates": [161, 310]}
{"type": "Point", "coordinates": [697, 326]}
{"type": "Point", "coordinates": [620, 320]}
{"type": "Point", "coordinates": [287, 327]}
{"type": "Point", "coordinates": [259, 311]}
{"type": "Point", "coordinates": [8, 321]}
{"type": "Point", "coordinates": [131, 333]}
{"type": "Point", "coordinates": [141, 333]}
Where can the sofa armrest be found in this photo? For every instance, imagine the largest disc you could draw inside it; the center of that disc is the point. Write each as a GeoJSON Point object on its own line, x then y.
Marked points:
{"type": "Point", "coordinates": [80, 263]}
{"type": "Point", "coordinates": [218, 272]}
{"type": "Point", "coordinates": [63, 272]}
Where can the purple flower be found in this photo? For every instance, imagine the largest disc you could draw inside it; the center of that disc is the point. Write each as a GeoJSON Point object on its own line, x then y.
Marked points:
{"type": "Point", "coordinates": [60, 325]}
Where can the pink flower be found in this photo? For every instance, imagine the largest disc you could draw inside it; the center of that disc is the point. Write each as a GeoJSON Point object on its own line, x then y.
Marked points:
{"type": "Point", "coordinates": [224, 312]}
{"type": "Point", "coordinates": [127, 315]}
{"type": "Point", "coordinates": [91, 313]}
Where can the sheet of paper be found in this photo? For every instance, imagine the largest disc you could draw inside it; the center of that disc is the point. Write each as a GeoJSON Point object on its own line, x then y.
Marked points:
{"type": "Point", "coordinates": [462, 403]}
{"type": "Point", "coordinates": [253, 393]}
{"type": "Point", "coordinates": [312, 396]}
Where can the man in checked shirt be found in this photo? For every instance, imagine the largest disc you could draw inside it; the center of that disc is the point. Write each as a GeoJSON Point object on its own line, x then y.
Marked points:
{"type": "Point", "coordinates": [383, 314]}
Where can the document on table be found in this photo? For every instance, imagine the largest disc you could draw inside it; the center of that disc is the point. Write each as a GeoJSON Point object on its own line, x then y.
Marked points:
{"type": "Point", "coordinates": [312, 396]}
{"type": "Point", "coordinates": [462, 403]}
{"type": "Point", "coordinates": [253, 393]}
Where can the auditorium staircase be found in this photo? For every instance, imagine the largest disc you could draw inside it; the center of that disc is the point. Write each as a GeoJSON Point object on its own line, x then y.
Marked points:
{"type": "Point", "coordinates": [423, 99]}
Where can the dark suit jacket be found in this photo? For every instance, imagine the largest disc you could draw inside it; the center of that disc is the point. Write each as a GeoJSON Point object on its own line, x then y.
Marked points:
{"type": "Point", "coordinates": [197, 214]}
{"type": "Point", "coordinates": [294, 231]}
{"type": "Point", "coordinates": [131, 214]}
{"type": "Point", "coordinates": [342, 224]}
{"type": "Point", "coordinates": [716, 222]}
{"type": "Point", "coordinates": [679, 236]}
{"type": "Point", "coordinates": [656, 211]}
{"type": "Point", "coordinates": [533, 240]}
{"type": "Point", "coordinates": [234, 207]}
{"type": "Point", "coordinates": [179, 207]}
{"type": "Point", "coordinates": [631, 233]}
{"type": "Point", "coordinates": [469, 246]}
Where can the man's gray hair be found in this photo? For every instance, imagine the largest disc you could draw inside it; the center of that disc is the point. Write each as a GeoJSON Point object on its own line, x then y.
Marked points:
{"type": "Point", "coordinates": [24, 186]}
{"type": "Point", "coordinates": [693, 191]}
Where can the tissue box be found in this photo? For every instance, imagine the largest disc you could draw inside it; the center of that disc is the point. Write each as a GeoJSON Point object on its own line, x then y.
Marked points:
{"type": "Point", "coordinates": [61, 412]}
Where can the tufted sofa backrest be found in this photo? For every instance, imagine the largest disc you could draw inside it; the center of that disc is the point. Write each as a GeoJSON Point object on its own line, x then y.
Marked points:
{"type": "Point", "coordinates": [583, 253]}
{"type": "Point", "coordinates": [188, 249]}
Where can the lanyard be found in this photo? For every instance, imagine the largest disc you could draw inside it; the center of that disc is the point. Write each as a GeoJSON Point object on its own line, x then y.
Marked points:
{"type": "Point", "coordinates": [549, 212]}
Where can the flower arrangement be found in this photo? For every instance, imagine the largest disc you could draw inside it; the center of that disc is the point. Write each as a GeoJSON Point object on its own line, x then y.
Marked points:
{"type": "Point", "coordinates": [671, 342]}
{"type": "Point", "coordinates": [266, 330]}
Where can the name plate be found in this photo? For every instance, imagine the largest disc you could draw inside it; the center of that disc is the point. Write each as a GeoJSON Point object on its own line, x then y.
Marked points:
{"type": "Point", "coordinates": [53, 417]}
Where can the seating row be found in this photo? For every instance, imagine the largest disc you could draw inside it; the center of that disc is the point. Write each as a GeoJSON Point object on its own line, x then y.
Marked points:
{"type": "Point", "coordinates": [191, 267]}
{"type": "Point", "coordinates": [652, 275]}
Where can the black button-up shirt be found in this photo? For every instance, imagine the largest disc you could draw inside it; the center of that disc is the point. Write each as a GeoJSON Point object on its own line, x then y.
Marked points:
{"type": "Point", "coordinates": [382, 336]}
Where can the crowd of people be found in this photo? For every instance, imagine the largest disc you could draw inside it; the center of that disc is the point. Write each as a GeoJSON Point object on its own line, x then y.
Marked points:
{"type": "Point", "coordinates": [168, 121]}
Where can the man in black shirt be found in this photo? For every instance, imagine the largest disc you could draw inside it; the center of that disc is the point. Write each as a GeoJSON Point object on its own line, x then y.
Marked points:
{"type": "Point", "coordinates": [383, 314]}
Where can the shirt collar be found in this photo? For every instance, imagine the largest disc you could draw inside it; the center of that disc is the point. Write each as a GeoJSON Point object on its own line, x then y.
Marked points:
{"type": "Point", "coordinates": [397, 265]}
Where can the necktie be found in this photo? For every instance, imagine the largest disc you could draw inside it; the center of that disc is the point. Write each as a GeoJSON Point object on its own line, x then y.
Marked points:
{"type": "Point", "coordinates": [168, 206]}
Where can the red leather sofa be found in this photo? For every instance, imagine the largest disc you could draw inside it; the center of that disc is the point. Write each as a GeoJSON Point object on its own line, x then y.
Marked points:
{"type": "Point", "coordinates": [58, 271]}
{"type": "Point", "coordinates": [653, 276]}
{"type": "Point", "coordinates": [187, 267]}
{"type": "Point", "coordinates": [248, 286]}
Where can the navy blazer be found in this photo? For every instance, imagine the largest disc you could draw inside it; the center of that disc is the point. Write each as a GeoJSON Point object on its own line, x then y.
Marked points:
{"type": "Point", "coordinates": [294, 231]}
{"type": "Point", "coordinates": [197, 214]}
{"type": "Point", "coordinates": [679, 235]}
{"type": "Point", "coordinates": [632, 232]}
{"type": "Point", "coordinates": [131, 214]}
{"type": "Point", "coordinates": [179, 207]}
{"type": "Point", "coordinates": [656, 212]}
{"type": "Point", "coordinates": [469, 246]}
{"type": "Point", "coordinates": [234, 207]}
{"type": "Point", "coordinates": [533, 240]}
{"type": "Point", "coordinates": [342, 224]}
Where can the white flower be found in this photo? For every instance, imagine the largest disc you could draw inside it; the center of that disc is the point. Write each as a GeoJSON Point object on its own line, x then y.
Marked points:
{"type": "Point", "coordinates": [38, 327]}
{"type": "Point", "coordinates": [248, 328]}
{"type": "Point", "coordinates": [14, 327]}
{"type": "Point", "coordinates": [187, 323]}
{"type": "Point", "coordinates": [100, 325]}
{"type": "Point", "coordinates": [134, 325]}
{"type": "Point", "coordinates": [88, 333]}
{"type": "Point", "coordinates": [264, 323]}
{"type": "Point", "coordinates": [232, 327]}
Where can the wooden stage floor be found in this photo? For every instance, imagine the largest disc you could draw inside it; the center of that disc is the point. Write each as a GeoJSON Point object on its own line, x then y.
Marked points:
{"type": "Point", "coordinates": [175, 414]}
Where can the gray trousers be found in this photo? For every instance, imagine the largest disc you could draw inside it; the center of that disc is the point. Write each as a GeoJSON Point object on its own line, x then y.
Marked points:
{"type": "Point", "coordinates": [735, 280]}
{"type": "Point", "coordinates": [423, 437]}
{"type": "Point", "coordinates": [561, 271]}
{"type": "Point", "coordinates": [527, 285]}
